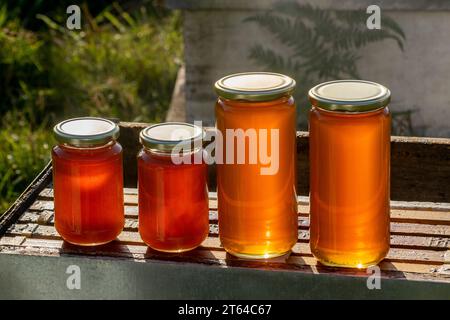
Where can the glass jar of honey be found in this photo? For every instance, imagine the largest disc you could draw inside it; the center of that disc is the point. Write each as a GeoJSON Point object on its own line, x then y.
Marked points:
{"type": "Point", "coordinates": [349, 139]}
{"type": "Point", "coordinates": [172, 184]}
{"type": "Point", "coordinates": [256, 174]}
{"type": "Point", "coordinates": [88, 181]}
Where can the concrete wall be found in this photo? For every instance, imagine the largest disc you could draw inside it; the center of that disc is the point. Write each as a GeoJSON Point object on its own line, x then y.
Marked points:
{"type": "Point", "coordinates": [217, 43]}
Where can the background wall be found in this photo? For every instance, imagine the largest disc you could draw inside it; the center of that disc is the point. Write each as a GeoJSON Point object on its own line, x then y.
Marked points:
{"type": "Point", "coordinates": [218, 41]}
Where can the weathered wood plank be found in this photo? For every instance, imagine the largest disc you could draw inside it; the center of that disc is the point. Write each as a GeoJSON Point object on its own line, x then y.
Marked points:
{"type": "Point", "coordinates": [429, 217]}
{"type": "Point", "coordinates": [401, 236]}
{"type": "Point", "coordinates": [47, 193]}
{"type": "Point", "coordinates": [26, 198]}
{"type": "Point", "coordinates": [12, 240]}
{"type": "Point", "coordinates": [417, 219]}
{"type": "Point", "coordinates": [39, 217]}
{"type": "Point", "coordinates": [131, 197]}
{"type": "Point", "coordinates": [203, 255]}
{"type": "Point", "coordinates": [121, 249]}
{"type": "Point", "coordinates": [403, 249]}
{"type": "Point", "coordinates": [406, 235]}
{"type": "Point", "coordinates": [420, 229]}
{"type": "Point", "coordinates": [409, 235]}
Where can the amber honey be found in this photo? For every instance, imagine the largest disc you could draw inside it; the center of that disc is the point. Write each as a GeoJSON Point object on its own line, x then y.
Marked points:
{"type": "Point", "coordinates": [173, 197]}
{"type": "Point", "coordinates": [88, 181]}
{"type": "Point", "coordinates": [349, 174]}
{"type": "Point", "coordinates": [257, 212]}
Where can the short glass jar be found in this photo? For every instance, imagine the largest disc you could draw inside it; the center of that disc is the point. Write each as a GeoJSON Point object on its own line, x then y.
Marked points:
{"type": "Point", "coordinates": [349, 139]}
{"type": "Point", "coordinates": [173, 194]}
{"type": "Point", "coordinates": [88, 181]}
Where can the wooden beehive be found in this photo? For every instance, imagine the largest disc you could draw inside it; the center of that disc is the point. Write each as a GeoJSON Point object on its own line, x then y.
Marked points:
{"type": "Point", "coordinates": [34, 259]}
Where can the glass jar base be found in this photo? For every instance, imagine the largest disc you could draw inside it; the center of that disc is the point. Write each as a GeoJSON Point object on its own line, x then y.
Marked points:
{"type": "Point", "coordinates": [354, 262]}
{"type": "Point", "coordinates": [354, 266]}
{"type": "Point", "coordinates": [264, 256]}
{"type": "Point", "coordinates": [89, 239]}
{"type": "Point", "coordinates": [88, 244]}
{"type": "Point", "coordinates": [180, 250]}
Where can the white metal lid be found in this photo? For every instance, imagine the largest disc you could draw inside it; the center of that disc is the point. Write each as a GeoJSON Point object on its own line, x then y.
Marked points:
{"type": "Point", "coordinates": [165, 136]}
{"type": "Point", "coordinates": [254, 86]}
{"type": "Point", "coordinates": [349, 96]}
{"type": "Point", "coordinates": [86, 131]}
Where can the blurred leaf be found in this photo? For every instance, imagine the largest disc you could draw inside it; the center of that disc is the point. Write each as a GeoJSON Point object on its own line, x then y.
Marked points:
{"type": "Point", "coordinates": [3, 15]}
{"type": "Point", "coordinates": [317, 44]}
{"type": "Point", "coordinates": [49, 22]}
{"type": "Point", "coordinates": [114, 21]}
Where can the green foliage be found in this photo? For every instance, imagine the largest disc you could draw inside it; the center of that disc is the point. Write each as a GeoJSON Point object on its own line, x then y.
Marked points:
{"type": "Point", "coordinates": [23, 79]}
{"type": "Point", "coordinates": [26, 10]}
{"type": "Point", "coordinates": [122, 64]}
{"type": "Point", "coordinates": [317, 45]}
{"type": "Point", "coordinates": [24, 151]}
{"type": "Point", "coordinates": [119, 66]}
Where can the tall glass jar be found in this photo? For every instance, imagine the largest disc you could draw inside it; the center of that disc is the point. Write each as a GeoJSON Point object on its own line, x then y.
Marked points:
{"type": "Point", "coordinates": [349, 142]}
{"type": "Point", "coordinates": [173, 194]}
{"type": "Point", "coordinates": [256, 177]}
{"type": "Point", "coordinates": [88, 181]}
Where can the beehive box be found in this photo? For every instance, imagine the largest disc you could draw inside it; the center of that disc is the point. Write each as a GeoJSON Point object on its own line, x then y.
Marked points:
{"type": "Point", "coordinates": [36, 263]}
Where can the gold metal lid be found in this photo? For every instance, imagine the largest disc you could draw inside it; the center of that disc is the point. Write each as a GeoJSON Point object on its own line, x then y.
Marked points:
{"type": "Point", "coordinates": [254, 86]}
{"type": "Point", "coordinates": [86, 132]}
{"type": "Point", "coordinates": [163, 137]}
{"type": "Point", "coordinates": [349, 96]}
